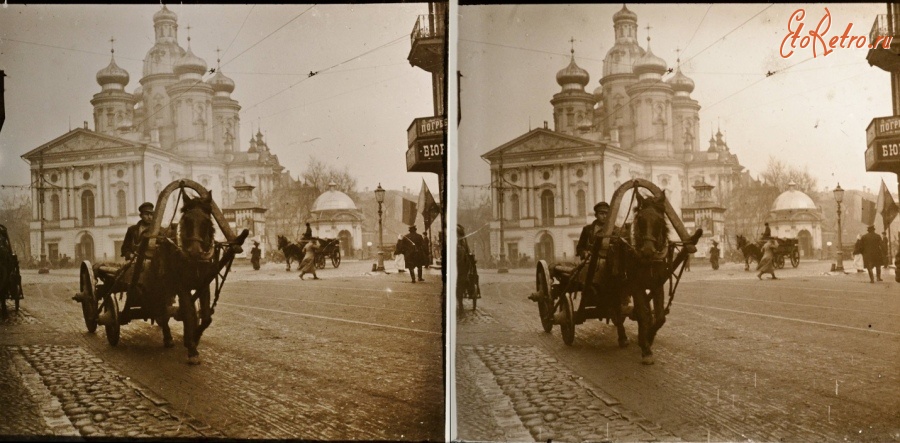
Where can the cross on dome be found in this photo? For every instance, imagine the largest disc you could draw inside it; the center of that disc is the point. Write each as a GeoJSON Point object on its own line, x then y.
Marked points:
{"type": "Point", "coordinates": [112, 48]}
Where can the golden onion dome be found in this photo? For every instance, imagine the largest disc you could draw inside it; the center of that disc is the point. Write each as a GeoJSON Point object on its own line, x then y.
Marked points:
{"type": "Point", "coordinates": [112, 74]}
{"type": "Point", "coordinates": [573, 74]}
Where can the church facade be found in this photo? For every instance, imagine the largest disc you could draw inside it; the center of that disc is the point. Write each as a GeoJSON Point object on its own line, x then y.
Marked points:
{"type": "Point", "coordinates": [634, 125]}
{"type": "Point", "coordinates": [173, 125]}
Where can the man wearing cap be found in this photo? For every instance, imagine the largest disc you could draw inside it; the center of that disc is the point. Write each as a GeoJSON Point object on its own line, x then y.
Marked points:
{"type": "Point", "coordinates": [870, 247]}
{"type": "Point", "coordinates": [414, 252]}
{"type": "Point", "coordinates": [586, 240]}
{"type": "Point", "coordinates": [135, 233]}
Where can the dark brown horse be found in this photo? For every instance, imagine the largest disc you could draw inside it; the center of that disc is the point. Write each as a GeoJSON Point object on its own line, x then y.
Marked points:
{"type": "Point", "coordinates": [751, 251]}
{"type": "Point", "coordinates": [184, 268]}
{"type": "Point", "coordinates": [291, 251]}
{"type": "Point", "coordinates": [640, 262]}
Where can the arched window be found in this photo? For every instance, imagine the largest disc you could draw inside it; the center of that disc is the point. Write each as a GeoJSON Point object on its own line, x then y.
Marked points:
{"type": "Point", "coordinates": [547, 209]}
{"type": "Point", "coordinates": [514, 207]}
{"type": "Point", "coordinates": [120, 202]}
{"type": "Point", "coordinates": [87, 208]}
{"type": "Point", "coordinates": [580, 203]}
{"type": "Point", "coordinates": [54, 207]}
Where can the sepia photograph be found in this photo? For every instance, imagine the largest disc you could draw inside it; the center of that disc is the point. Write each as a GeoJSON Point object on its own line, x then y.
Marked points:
{"type": "Point", "coordinates": [677, 223]}
{"type": "Point", "coordinates": [279, 169]}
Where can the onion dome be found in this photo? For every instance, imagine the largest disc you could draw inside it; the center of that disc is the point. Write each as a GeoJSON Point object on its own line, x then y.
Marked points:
{"type": "Point", "coordinates": [333, 200]}
{"type": "Point", "coordinates": [573, 74]}
{"type": "Point", "coordinates": [793, 199]}
{"type": "Point", "coordinates": [681, 82]}
{"type": "Point", "coordinates": [624, 14]}
{"type": "Point", "coordinates": [221, 83]}
{"type": "Point", "coordinates": [164, 14]}
{"type": "Point", "coordinates": [649, 63]}
{"type": "Point", "coordinates": [138, 93]}
{"type": "Point", "coordinates": [189, 63]}
{"type": "Point", "coordinates": [112, 74]}
{"type": "Point", "coordinates": [598, 92]}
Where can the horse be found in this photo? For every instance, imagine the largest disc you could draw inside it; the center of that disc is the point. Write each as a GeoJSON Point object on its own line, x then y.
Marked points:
{"type": "Point", "coordinates": [639, 263]}
{"type": "Point", "coordinates": [184, 268]}
{"type": "Point", "coordinates": [291, 251]}
{"type": "Point", "coordinates": [751, 251]}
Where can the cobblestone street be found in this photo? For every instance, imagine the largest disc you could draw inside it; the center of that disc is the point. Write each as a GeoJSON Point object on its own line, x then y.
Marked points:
{"type": "Point", "coordinates": [516, 383]}
{"type": "Point", "coordinates": [355, 355]}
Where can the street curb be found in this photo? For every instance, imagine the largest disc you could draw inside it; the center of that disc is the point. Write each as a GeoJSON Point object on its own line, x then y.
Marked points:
{"type": "Point", "coordinates": [51, 410]}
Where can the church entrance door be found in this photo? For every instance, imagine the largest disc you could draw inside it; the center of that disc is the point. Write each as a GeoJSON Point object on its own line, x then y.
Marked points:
{"type": "Point", "coordinates": [543, 249]}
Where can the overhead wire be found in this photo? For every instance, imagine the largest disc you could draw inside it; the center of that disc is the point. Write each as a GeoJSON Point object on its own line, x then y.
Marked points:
{"type": "Point", "coordinates": [269, 35]}
{"type": "Point", "coordinates": [239, 29]}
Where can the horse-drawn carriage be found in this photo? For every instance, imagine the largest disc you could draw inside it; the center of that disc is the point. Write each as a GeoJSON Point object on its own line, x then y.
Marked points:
{"type": "Point", "coordinates": [784, 247]}
{"type": "Point", "coordinates": [329, 248]}
{"type": "Point", "coordinates": [10, 278]}
{"type": "Point", "coordinates": [181, 260]}
{"type": "Point", "coordinates": [467, 286]}
{"type": "Point", "coordinates": [623, 263]}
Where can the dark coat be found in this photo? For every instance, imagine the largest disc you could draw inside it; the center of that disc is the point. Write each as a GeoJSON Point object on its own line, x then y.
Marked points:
{"type": "Point", "coordinates": [414, 250]}
{"type": "Point", "coordinates": [132, 239]}
{"type": "Point", "coordinates": [586, 240]}
{"type": "Point", "coordinates": [870, 247]}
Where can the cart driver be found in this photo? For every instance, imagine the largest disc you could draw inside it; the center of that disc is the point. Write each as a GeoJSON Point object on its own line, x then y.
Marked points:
{"type": "Point", "coordinates": [586, 240]}
{"type": "Point", "coordinates": [135, 233]}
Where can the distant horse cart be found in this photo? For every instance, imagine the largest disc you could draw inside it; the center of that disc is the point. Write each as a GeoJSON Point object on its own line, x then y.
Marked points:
{"type": "Point", "coordinates": [631, 262]}
{"type": "Point", "coordinates": [784, 247]}
{"type": "Point", "coordinates": [181, 261]}
{"type": "Point", "coordinates": [330, 248]}
{"type": "Point", "coordinates": [10, 278]}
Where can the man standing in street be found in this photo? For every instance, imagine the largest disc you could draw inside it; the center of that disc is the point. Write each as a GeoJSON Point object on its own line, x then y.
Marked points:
{"type": "Point", "coordinates": [870, 247]}
{"type": "Point", "coordinates": [414, 253]}
{"type": "Point", "coordinates": [135, 233]}
{"type": "Point", "coordinates": [255, 255]}
{"type": "Point", "coordinates": [714, 255]}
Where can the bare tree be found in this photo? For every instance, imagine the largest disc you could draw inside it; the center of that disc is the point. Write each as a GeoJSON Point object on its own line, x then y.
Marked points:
{"type": "Point", "coordinates": [319, 174]}
{"type": "Point", "coordinates": [474, 215]}
{"type": "Point", "coordinates": [15, 214]}
{"type": "Point", "coordinates": [779, 174]}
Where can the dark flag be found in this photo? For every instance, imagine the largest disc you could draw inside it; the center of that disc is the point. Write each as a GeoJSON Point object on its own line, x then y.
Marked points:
{"type": "Point", "coordinates": [427, 206]}
{"type": "Point", "coordinates": [409, 212]}
{"type": "Point", "coordinates": [886, 203]}
{"type": "Point", "coordinates": [868, 212]}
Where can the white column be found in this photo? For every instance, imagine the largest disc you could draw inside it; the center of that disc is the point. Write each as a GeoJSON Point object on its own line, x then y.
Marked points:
{"type": "Point", "coordinates": [101, 184]}
{"type": "Point", "coordinates": [35, 211]}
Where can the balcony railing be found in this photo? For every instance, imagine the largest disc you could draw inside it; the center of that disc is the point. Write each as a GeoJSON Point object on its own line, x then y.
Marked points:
{"type": "Point", "coordinates": [428, 26]}
{"type": "Point", "coordinates": [880, 28]}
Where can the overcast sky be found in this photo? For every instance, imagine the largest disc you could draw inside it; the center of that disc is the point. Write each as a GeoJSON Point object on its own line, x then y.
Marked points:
{"type": "Point", "coordinates": [812, 112]}
{"type": "Point", "coordinates": [354, 113]}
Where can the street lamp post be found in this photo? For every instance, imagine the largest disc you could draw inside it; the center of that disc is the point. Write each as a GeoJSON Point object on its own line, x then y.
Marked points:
{"type": "Point", "coordinates": [839, 197]}
{"type": "Point", "coordinates": [379, 197]}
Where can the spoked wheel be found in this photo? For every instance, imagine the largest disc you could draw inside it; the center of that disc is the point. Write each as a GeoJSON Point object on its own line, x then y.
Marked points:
{"type": "Point", "coordinates": [779, 261]}
{"type": "Point", "coordinates": [109, 309]}
{"type": "Point", "coordinates": [336, 258]}
{"type": "Point", "coordinates": [545, 302]}
{"type": "Point", "coordinates": [567, 323]}
{"type": "Point", "coordinates": [795, 258]}
{"type": "Point", "coordinates": [88, 292]}
{"type": "Point", "coordinates": [320, 262]}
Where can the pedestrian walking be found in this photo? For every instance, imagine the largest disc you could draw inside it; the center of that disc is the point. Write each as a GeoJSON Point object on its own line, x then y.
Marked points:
{"type": "Point", "coordinates": [870, 248]}
{"type": "Point", "coordinates": [308, 265]}
{"type": "Point", "coordinates": [714, 255]}
{"type": "Point", "coordinates": [414, 253]}
{"type": "Point", "coordinates": [399, 261]}
{"type": "Point", "coordinates": [255, 255]}
{"type": "Point", "coordinates": [767, 262]}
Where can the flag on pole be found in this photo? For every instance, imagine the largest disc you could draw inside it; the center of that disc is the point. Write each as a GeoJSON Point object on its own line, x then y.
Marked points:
{"type": "Point", "coordinates": [889, 209]}
{"type": "Point", "coordinates": [868, 212]}
{"type": "Point", "coordinates": [427, 206]}
{"type": "Point", "coordinates": [409, 212]}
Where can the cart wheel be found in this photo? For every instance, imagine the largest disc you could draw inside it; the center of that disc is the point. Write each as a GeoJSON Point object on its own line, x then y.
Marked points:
{"type": "Point", "coordinates": [545, 302]}
{"type": "Point", "coordinates": [795, 258]}
{"type": "Point", "coordinates": [89, 296]}
{"type": "Point", "coordinates": [336, 258]}
{"type": "Point", "coordinates": [111, 305]}
{"type": "Point", "coordinates": [779, 261]}
{"type": "Point", "coordinates": [567, 325]}
{"type": "Point", "coordinates": [320, 262]}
